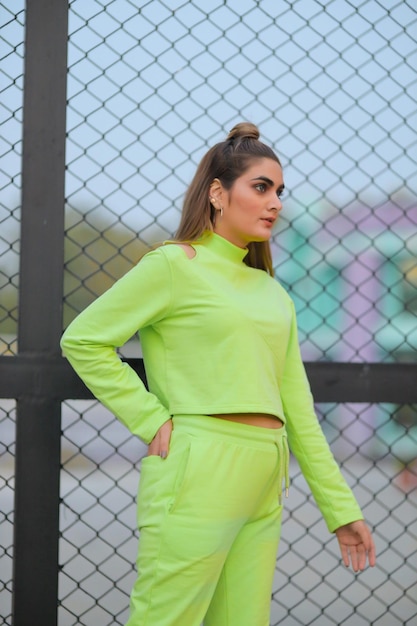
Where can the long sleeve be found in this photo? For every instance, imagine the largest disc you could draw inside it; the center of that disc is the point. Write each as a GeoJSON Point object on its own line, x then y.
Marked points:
{"type": "Point", "coordinates": [140, 298]}
{"type": "Point", "coordinates": [309, 445]}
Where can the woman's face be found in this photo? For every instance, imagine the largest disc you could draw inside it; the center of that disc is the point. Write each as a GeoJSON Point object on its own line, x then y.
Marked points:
{"type": "Point", "coordinates": [251, 206]}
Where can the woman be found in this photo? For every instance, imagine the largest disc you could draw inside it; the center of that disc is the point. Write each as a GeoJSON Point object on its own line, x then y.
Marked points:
{"type": "Point", "coordinates": [227, 388]}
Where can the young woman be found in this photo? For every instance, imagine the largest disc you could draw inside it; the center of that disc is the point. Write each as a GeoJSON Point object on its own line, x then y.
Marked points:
{"type": "Point", "coordinates": [227, 390]}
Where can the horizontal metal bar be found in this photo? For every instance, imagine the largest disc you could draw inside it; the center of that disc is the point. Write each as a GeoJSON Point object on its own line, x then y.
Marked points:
{"type": "Point", "coordinates": [363, 382]}
{"type": "Point", "coordinates": [54, 378]}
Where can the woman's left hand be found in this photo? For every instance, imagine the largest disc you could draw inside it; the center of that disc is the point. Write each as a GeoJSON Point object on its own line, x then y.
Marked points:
{"type": "Point", "coordinates": [356, 545]}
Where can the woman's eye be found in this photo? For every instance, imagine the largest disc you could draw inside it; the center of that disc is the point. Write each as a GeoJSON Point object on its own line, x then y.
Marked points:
{"type": "Point", "coordinates": [280, 193]}
{"type": "Point", "coordinates": [260, 187]}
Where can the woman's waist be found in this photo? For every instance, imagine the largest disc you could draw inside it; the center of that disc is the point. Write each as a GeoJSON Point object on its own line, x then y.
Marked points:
{"type": "Point", "coordinates": [263, 420]}
{"type": "Point", "coordinates": [211, 426]}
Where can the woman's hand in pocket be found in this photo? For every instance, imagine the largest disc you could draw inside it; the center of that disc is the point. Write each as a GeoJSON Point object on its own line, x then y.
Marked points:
{"type": "Point", "coordinates": [159, 445]}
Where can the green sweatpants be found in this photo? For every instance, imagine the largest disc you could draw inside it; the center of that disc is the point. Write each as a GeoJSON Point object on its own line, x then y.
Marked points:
{"type": "Point", "coordinates": [209, 520]}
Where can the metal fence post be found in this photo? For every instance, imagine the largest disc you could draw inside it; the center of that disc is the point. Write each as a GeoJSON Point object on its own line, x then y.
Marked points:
{"type": "Point", "coordinates": [40, 316]}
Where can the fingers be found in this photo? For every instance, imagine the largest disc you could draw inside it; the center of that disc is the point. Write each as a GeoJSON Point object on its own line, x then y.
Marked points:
{"type": "Point", "coordinates": [358, 557]}
{"type": "Point", "coordinates": [356, 545]}
{"type": "Point", "coordinates": [345, 554]}
{"type": "Point", "coordinates": [353, 555]}
{"type": "Point", "coordinates": [159, 445]}
{"type": "Point", "coordinates": [365, 546]}
{"type": "Point", "coordinates": [362, 552]}
{"type": "Point", "coordinates": [164, 439]}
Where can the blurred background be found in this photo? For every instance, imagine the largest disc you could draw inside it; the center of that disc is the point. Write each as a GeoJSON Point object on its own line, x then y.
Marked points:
{"type": "Point", "coordinates": [332, 86]}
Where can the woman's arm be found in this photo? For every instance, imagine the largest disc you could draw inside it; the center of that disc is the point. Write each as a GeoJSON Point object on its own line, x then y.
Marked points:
{"type": "Point", "coordinates": [309, 445]}
{"type": "Point", "coordinates": [140, 298]}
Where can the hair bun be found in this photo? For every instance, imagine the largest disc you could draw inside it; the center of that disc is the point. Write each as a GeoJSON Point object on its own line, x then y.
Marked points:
{"type": "Point", "coordinates": [243, 130]}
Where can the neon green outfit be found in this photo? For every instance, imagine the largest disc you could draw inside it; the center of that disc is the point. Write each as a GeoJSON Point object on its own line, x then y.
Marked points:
{"type": "Point", "coordinates": [217, 337]}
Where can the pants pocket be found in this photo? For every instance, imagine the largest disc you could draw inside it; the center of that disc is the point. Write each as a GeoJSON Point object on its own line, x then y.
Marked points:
{"type": "Point", "coordinates": [148, 481]}
{"type": "Point", "coordinates": [181, 474]}
{"type": "Point", "coordinates": [161, 482]}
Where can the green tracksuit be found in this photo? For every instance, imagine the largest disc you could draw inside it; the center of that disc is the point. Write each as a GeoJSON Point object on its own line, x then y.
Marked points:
{"type": "Point", "coordinates": [217, 337]}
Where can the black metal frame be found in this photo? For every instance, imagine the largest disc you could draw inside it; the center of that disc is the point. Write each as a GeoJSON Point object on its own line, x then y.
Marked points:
{"type": "Point", "coordinates": [38, 428]}
{"type": "Point", "coordinates": [39, 378]}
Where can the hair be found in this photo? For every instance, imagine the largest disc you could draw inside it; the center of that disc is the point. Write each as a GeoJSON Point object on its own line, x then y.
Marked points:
{"type": "Point", "coordinates": [227, 161]}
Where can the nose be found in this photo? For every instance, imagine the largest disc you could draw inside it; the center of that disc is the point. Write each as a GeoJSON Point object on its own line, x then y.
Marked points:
{"type": "Point", "coordinates": [275, 205]}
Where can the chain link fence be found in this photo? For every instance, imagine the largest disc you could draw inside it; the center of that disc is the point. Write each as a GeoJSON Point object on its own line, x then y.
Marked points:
{"type": "Point", "coordinates": [98, 517]}
{"type": "Point", "coordinates": [11, 102]}
{"type": "Point", "coordinates": [151, 85]}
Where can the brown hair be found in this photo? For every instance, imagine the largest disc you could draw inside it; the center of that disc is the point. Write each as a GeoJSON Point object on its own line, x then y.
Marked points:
{"type": "Point", "coordinates": [227, 161]}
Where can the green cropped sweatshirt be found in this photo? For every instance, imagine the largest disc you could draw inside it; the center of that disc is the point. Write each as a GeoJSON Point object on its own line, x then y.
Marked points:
{"type": "Point", "coordinates": [217, 337]}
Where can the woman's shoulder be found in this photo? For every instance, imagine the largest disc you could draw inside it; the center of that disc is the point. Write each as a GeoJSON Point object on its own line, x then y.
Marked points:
{"type": "Point", "coordinates": [186, 248]}
{"type": "Point", "coordinates": [281, 290]}
{"type": "Point", "coordinates": [169, 252]}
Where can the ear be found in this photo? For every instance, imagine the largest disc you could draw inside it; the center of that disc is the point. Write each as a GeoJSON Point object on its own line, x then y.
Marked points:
{"type": "Point", "coordinates": [216, 189]}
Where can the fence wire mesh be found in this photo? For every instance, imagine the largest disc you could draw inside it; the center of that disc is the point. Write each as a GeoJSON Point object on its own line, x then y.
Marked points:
{"type": "Point", "coordinates": [99, 484]}
{"type": "Point", "coordinates": [332, 86]}
{"type": "Point", "coordinates": [7, 455]}
{"type": "Point", "coordinates": [11, 104]}
{"type": "Point", "coordinates": [151, 85]}
{"type": "Point", "coordinates": [11, 89]}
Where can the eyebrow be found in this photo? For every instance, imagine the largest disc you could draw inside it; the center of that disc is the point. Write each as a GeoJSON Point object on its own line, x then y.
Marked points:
{"type": "Point", "coordinates": [268, 181]}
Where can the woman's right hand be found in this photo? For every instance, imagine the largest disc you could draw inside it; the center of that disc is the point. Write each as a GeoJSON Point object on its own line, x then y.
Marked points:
{"type": "Point", "coordinates": [356, 545]}
{"type": "Point", "coordinates": [159, 445]}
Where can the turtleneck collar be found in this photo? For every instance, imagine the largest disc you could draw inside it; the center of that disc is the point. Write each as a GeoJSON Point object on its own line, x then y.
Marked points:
{"type": "Point", "coordinates": [223, 247]}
